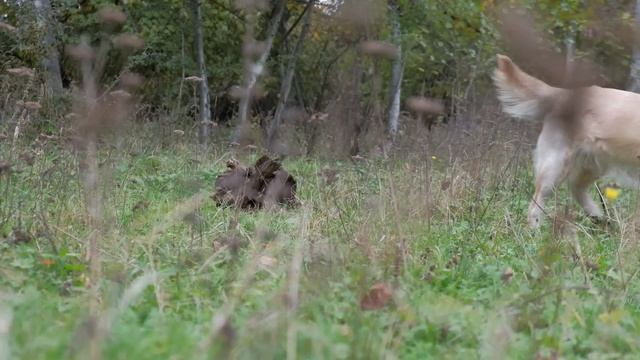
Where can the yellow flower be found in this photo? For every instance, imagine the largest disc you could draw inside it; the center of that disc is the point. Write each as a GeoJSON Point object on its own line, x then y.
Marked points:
{"type": "Point", "coordinates": [611, 193]}
{"type": "Point", "coordinates": [433, 157]}
{"type": "Point", "coordinates": [613, 317]}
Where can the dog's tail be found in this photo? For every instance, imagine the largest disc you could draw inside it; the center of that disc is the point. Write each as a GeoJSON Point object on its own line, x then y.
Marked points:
{"type": "Point", "coordinates": [522, 96]}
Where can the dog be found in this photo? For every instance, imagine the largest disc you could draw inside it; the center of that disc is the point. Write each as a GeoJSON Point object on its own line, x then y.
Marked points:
{"type": "Point", "coordinates": [587, 133]}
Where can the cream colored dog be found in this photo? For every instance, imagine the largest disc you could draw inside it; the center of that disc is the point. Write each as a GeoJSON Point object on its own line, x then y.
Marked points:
{"type": "Point", "coordinates": [587, 133]}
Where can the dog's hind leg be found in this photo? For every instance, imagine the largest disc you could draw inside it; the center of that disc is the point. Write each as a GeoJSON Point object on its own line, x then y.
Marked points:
{"type": "Point", "coordinates": [579, 184]}
{"type": "Point", "coordinates": [546, 181]}
{"type": "Point", "coordinates": [550, 169]}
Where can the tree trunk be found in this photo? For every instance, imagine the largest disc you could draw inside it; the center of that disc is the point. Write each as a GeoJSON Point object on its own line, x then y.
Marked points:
{"type": "Point", "coordinates": [354, 112]}
{"type": "Point", "coordinates": [254, 70]}
{"type": "Point", "coordinates": [285, 88]}
{"type": "Point", "coordinates": [396, 76]}
{"type": "Point", "coordinates": [51, 62]}
{"type": "Point", "coordinates": [205, 106]}
{"type": "Point", "coordinates": [634, 76]}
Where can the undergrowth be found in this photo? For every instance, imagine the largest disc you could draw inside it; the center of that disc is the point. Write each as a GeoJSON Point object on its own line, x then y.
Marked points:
{"type": "Point", "coordinates": [184, 279]}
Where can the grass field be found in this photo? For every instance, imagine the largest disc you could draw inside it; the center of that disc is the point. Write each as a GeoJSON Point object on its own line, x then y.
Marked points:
{"type": "Point", "coordinates": [443, 228]}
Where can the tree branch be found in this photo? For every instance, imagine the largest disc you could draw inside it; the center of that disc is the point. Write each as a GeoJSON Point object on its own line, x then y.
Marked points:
{"type": "Point", "coordinates": [308, 7]}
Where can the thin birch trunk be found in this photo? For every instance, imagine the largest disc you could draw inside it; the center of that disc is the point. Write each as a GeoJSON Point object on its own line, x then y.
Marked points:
{"type": "Point", "coordinates": [51, 62]}
{"type": "Point", "coordinates": [205, 105]}
{"type": "Point", "coordinates": [254, 70]}
{"type": "Point", "coordinates": [396, 76]}
{"type": "Point", "coordinates": [285, 89]}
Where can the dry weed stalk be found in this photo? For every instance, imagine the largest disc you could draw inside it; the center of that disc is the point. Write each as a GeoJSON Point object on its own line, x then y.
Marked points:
{"type": "Point", "coordinates": [97, 111]}
{"type": "Point", "coordinates": [6, 317]}
{"type": "Point", "coordinates": [222, 317]}
{"type": "Point", "coordinates": [565, 229]}
{"type": "Point", "coordinates": [627, 247]}
{"type": "Point", "coordinates": [295, 273]}
{"type": "Point", "coordinates": [23, 109]}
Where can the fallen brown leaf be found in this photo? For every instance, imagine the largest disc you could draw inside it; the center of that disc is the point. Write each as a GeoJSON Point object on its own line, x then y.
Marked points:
{"type": "Point", "coordinates": [381, 49]}
{"type": "Point", "coordinates": [423, 105]}
{"type": "Point", "coordinates": [377, 297]}
{"type": "Point", "coordinates": [507, 274]}
{"type": "Point", "coordinates": [267, 261]}
{"type": "Point", "coordinates": [21, 237]}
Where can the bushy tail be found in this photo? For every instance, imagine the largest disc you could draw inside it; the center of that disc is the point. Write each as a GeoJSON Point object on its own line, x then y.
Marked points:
{"type": "Point", "coordinates": [522, 96]}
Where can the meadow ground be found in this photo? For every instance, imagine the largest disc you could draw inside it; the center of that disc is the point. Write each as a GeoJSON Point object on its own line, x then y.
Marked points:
{"type": "Point", "coordinates": [442, 227]}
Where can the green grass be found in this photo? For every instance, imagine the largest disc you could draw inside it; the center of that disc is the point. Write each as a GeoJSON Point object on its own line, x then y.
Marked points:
{"type": "Point", "coordinates": [444, 250]}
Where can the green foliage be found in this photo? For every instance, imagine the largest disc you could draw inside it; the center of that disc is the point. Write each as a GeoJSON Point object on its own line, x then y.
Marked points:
{"type": "Point", "coordinates": [445, 250]}
{"type": "Point", "coordinates": [168, 31]}
{"type": "Point", "coordinates": [445, 42]}
{"type": "Point", "coordinates": [451, 299]}
{"type": "Point", "coordinates": [19, 48]}
{"type": "Point", "coordinates": [448, 46]}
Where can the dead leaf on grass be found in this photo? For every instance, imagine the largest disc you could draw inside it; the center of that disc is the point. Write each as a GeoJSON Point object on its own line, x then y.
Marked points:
{"type": "Point", "coordinates": [377, 297]}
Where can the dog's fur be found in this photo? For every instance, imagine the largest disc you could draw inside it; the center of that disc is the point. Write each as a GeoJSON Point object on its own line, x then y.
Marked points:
{"type": "Point", "coordinates": [587, 133]}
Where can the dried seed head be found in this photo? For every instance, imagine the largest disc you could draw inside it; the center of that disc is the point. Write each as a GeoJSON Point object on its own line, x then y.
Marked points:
{"type": "Point", "coordinates": [178, 132]}
{"type": "Point", "coordinates": [592, 266]}
{"type": "Point", "coordinates": [233, 163]}
{"type": "Point", "coordinates": [293, 115]}
{"type": "Point", "coordinates": [131, 80]}
{"type": "Point", "coordinates": [377, 297]}
{"type": "Point", "coordinates": [267, 261]}
{"type": "Point", "coordinates": [128, 42]}
{"type": "Point", "coordinates": [381, 49]}
{"type": "Point", "coordinates": [112, 18]}
{"type": "Point", "coordinates": [22, 72]}
{"type": "Point", "coordinates": [319, 117]}
{"type": "Point", "coordinates": [29, 105]}
{"type": "Point", "coordinates": [453, 262]}
{"type": "Point", "coordinates": [32, 105]}
{"type": "Point", "coordinates": [252, 4]}
{"type": "Point", "coordinates": [330, 175]}
{"type": "Point", "coordinates": [233, 243]}
{"type": "Point", "coordinates": [237, 92]}
{"type": "Point", "coordinates": [120, 94]}
{"type": "Point", "coordinates": [21, 237]}
{"type": "Point", "coordinates": [42, 140]}
{"type": "Point", "coordinates": [507, 274]}
{"type": "Point", "coordinates": [81, 53]}
{"type": "Point", "coordinates": [423, 105]}
{"type": "Point", "coordinates": [27, 157]}
{"type": "Point", "coordinates": [360, 13]}
{"type": "Point", "coordinates": [5, 167]}
{"type": "Point", "coordinates": [192, 218]}
{"type": "Point", "coordinates": [7, 27]}
{"type": "Point", "coordinates": [254, 49]}
{"type": "Point", "coordinates": [228, 333]}
{"type": "Point", "coordinates": [244, 136]}
{"type": "Point", "coordinates": [193, 79]}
